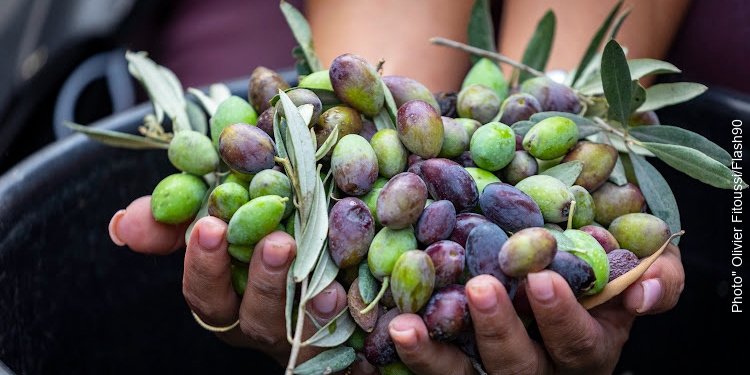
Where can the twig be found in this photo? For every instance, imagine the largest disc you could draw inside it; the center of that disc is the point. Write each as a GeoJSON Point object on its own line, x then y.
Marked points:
{"type": "Point", "coordinates": [490, 55]}
{"type": "Point", "coordinates": [297, 342]}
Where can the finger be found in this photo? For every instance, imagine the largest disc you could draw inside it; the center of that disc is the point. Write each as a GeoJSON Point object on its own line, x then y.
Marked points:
{"type": "Point", "coordinates": [323, 308]}
{"type": "Point", "coordinates": [262, 311]}
{"type": "Point", "coordinates": [206, 281]}
{"type": "Point", "coordinates": [135, 227]}
{"type": "Point", "coordinates": [574, 339]}
{"type": "Point", "coordinates": [659, 288]}
{"type": "Point", "coordinates": [422, 354]}
{"type": "Point", "coordinates": [503, 343]}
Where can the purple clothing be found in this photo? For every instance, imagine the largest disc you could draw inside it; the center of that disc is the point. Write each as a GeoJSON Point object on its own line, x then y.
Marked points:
{"type": "Point", "coordinates": [713, 44]}
{"type": "Point", "coordinates": [205, 42]}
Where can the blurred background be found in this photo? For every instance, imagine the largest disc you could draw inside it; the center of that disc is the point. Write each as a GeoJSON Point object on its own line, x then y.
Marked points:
{"type": "Point", "coordinates": [72, 302]}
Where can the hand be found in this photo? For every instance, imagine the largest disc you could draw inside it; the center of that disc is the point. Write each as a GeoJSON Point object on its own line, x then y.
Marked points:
{"type": "Point", "coordinates": [207, 281]}
{"type": "Point", "coordinates": [575, 340]}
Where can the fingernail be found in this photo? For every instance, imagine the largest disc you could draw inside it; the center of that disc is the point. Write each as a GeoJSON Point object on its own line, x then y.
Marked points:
{"type": "Point", "coordinates": [541, 286]}
{"type": "Point", "coordinates": [651, 294]}
{"type": "Point", "coordinates": [210, 234]}
{"type": "Point", "coordinates": [482, 295]}
{"type": "Point", "coordinates": [404, 335]}
{"type": "Point", "coordinates": [325, 302]}
{"type": "Point", "coordinates": [113, 228]}
{"type": "Point", "coordinates": [275, 254]}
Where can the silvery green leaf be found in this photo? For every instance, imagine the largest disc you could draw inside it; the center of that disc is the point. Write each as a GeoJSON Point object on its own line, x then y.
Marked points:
{"type": "Point", "coordinates": [208, 103]}
{"type": "Point", "coordinates": [522, 127]}
{"type": "Point", "coordinates": [302, 155]}
{"type": "Point", "coordinates": [306, 111]}
{"type": "Point", "coordinates": [694, 164]}
{"type": "Point", "coordinates": [301, 30]}
{"type": "Point", "coordinates": [118, 139]}
{"type": "Point", "coordinates": [279, 128]}
{"type": "Point", "coordinates": [481, 33]}
{"type": "Point", "coordinates": [383, 120]}
{"type": "Point", "coordinates": [163, 89]}
{"type": "Point", "coordinates": [328, 143]}
{"type": "Point", "coordinates": [291, 287]}
{"type": "Point", "coordinates": [618, 22]}
{"type": "Point", "coordinates": [639, 68]}
{"type": "Point", "coordinates": [336, 332]}
{"type": "Point", "coordinates": [328, 362]}
{"type": "Point", "coordinates": [368, 284]}
{"type": "Point", "coordinates": [586, 127]}
{"type": "Point", "coordinates": [325, 272]}
{"type": "Point", "coordinates": [538, 49]}
{"type": "Point", "coordinates": [390, 103]}
{"type": "Point", "coordinates": [619, 144]}
{"type": "Point", "coordinates": [616, 81]}
{"type": "Point", "coordinates": [638, 95]}
{"type": "Point", "coordinates": [566, 172]}
{"type": "Point", "coordinates": [596, 41]}
{"type": "Point", "coordinates": [197, 117]}
{"type": "Point", "coordinates": [678, 136]}
{"type": "Point", "coordinates": [665, 94]}
{"type": "Point", "coordinates": [658, 194]}
{"type": "Point", "coordinates": [219, 92]}
{"type": "Point", "coordinates": [314, 235]}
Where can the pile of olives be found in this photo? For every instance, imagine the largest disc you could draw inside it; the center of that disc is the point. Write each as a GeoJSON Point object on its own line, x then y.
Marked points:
{"type": "Point", "coordinates": [451, 191]}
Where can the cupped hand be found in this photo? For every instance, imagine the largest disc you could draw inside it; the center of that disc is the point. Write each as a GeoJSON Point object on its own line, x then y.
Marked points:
{"type": "Point", "coordinates": [573, 340]}
{"type": "Point", "coordinates": [207, 285]}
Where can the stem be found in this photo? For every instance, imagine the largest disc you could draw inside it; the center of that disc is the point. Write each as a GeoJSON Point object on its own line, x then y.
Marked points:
{"type": "Point", "coordinates": [490, 55]}
{"type": "Point", "coordinates": [610, 129]}
{"type": "Point", "coordinates": [297, 342]}
{"type": "Point", "coordinates": [377, 298]}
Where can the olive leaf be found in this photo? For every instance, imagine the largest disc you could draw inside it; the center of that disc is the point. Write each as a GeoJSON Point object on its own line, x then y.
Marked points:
{"type": "Point", "coordinates": [208, 103]}
{"type": "Point", "coordinates": [325, 272]}
{"type": "Point", "coordinates": [163, 88]}
{"type": "Point", "coordinates": [368, 284]}
{"type": "Point", "coordinates": [586, 126]}
{"type": "Point", "coordinates": [302, 156]}
{"type": "Point", "coordinates": [383, 120]}
{"type": "Point", "coordinates": [481, 33]}
{"type": "Point", "coordinates": [537, 51]}
{"type": "Point", "coordinates": [327, 98]}
{"type": "Point", "coordinates": [328, 362]}
{"type": "Point", "coordinates": [328, 144]}
{"type": "Point", "coordinates": [678, 136]}
{"type": "Point", "coordinates": [302, 33]}
{"type": "Point", "coordinates": [639, 68]}
{"type": "Point", "coordinates": [618, 22]}
{"type": "Point", "coordinates": [291, 288]}
{"type": "Point", "coordinates": [616, 81]}
{"type": "Point", "coordinates": [390, 102]}
{"type": "Point", "coordinates": [694, 164]}
{"type": "Point", "coordinates": [596, 41]}
{"type": "Point", "coordinates": [219, 92]}
{"type": "Point", "coordinates": [336, 332]}
{"type": "Point", "coordinates": [118, 139]}
{"type": "Point", "coordinates": [197, 117]}
{"type": "Point", "coordinates": [658, 194]}
{"type": "Point", "coordinates": [566, 172]}
{"type": "Point", "coordinates": [313, 234]}
{"type": "Point", "coordinates": [665, 94]}
{"type": "Point", "coordinates": [638, 95]}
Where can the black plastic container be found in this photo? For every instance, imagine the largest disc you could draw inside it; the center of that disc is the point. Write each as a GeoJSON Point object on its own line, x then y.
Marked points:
{"type": "Point", "coordinates": [71, 302]}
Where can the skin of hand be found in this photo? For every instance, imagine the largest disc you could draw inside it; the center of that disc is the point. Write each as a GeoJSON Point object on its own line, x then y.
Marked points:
{"type": "Point", "coordinates": [575, 341]}
{"type": "Point", "coordinates": [207, 286]}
